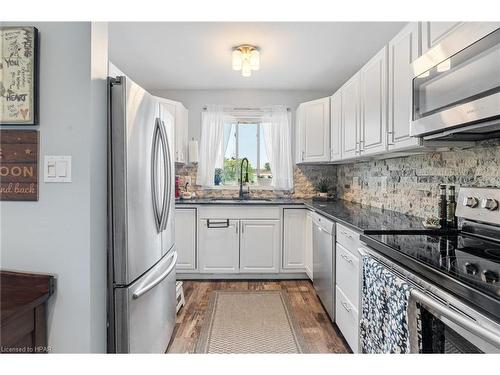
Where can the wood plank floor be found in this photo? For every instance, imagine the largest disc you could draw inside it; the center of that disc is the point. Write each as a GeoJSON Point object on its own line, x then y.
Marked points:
{"type": "Point", "coordinates": [317, 329]}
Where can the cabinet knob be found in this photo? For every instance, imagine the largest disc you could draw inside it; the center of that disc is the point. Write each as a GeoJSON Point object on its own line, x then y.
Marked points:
{"type": "Point", "coordinates": [470, 202]}
{"type": "Point", "coordinates": [489, 203]}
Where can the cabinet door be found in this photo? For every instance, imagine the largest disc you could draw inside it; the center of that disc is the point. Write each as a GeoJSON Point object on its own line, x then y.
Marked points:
{"type": "Point", "coordinates": [347, 319]}
{"type": "Point", "coordinates": [259, 246]}
{"type": "Point", "coordinates": [350, 118]}
{"type": "Point", "coordinates": [181, 133]}
{"type": "Point", "coordinates": [403, 50]}
{"type": "Point", "coordinates": [294, 231]}
{"type": "Point", "coordinates": [316, 131]}
{"type": "Point", "coordinates": [219, 246]}
{"type": "Point", "coordinates": [434, 32]}
{"type": "Point", "coordinates": [336, 126]}
{"type": "Point", "coordinates": [308, 257]}
{"type": "Point", "coordinates": [185, 238]}
{"type": "Point", "coordinates": [299, 135]}
{"type": "Point", "coordinates": [374, 104]}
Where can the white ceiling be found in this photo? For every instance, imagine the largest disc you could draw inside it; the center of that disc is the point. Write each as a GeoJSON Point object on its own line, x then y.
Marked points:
{"type": "Point", "coordinates": [294, 56]}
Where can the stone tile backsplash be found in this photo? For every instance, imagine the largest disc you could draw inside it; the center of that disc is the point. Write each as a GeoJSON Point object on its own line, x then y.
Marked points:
{"type": "Point", "coordinates": [411, 184]}
{"type": "Point", "coordinates": [405, 184]}
{"type": "Point", "coordinates": [305, 179]}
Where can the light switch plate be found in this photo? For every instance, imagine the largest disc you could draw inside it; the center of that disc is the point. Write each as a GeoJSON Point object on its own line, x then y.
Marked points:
{"type": "Point", "coordinates": [57, 168]}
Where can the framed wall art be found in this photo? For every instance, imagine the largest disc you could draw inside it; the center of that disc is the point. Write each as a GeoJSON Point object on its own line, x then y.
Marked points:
{"type": "Point", "coordinates": [19, 165]}
{"type": "Point", "coordinates": [18, 75]}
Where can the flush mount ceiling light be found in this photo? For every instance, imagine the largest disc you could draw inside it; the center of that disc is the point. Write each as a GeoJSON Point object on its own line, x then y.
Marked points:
{"type": "Point", "coordinates": [246, 58]}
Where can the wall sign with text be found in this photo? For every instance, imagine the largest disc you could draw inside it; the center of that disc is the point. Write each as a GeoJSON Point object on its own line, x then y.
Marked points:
{"type": "Point", "coordinates": [18, 165]}
{"type": "Point", "coordinates": [18, 75]}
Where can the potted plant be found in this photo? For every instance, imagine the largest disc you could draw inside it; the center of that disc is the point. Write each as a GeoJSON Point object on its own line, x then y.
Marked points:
{"type": "Point", "coordinates": [322, 186]}
{"type": "Point", "coordinates": [218, 176]}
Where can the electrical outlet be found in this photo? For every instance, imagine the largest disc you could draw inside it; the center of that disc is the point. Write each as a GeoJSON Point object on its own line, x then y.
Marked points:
{"type": "Point", "coordinates": [383, 182]}
{"type": "Point", "coordinates": [355, 182]}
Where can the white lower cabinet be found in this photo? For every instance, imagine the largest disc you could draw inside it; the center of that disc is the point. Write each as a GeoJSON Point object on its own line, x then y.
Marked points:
{"type": "Point", "coordinates": [219, 246]}
{"type": "Point", "coordinates": [259, 246]}
{"type": "Point", "coordinates": [308, 248]}
{"type": "Point", "coordinates": [347, 275]}
{"type": "Point", "coordinates": [348, 285]}
{"type": "Point", "coordinates": [185, 238]}
{"type": "Point", "coordinates": [347, 319]}
{"type": "Point", "coordinates": [294, 239]}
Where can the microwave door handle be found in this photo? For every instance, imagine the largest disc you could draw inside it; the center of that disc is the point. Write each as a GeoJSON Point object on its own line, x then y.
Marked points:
{"type": "Point", "coordinates": [167, 191]}
{"type": "Point", "coordinates": [159, 279]}
{"type": "Point", "coordinates": [154, 178]}
{"type": "Point", "coordinates": [491, 336]}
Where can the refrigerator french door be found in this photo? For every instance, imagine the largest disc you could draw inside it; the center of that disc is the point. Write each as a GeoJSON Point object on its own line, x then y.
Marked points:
{"type": "Point", "coordinates": [141, 256]}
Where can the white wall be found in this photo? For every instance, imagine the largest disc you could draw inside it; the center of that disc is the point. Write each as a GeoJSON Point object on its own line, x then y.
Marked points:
{"type": "Point", "coordinates": [64, 233]}
{"type": "Point", "coordinates": [195, 100]}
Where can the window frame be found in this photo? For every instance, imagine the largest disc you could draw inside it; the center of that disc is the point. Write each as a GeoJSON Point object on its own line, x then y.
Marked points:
{"type": "Point", "coordinates": [238, 123]}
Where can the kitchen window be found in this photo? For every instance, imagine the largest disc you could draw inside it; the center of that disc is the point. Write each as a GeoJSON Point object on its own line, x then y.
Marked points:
{"type": "Point", "coordinates": [260, 135]}
{"type": "Point", "coordinates": [243, 140]}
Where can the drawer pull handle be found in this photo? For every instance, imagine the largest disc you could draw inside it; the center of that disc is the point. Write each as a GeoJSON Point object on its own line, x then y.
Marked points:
{"type": "Point", "coordinates": [346, 234]}
{"type": "Point", "coordinates": [345, 306]}
{"type": "Point", "coordinates": [346, 258]}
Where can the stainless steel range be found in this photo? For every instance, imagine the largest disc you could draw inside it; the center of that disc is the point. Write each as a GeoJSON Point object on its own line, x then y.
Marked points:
{"type": "Point", "coordinates": [457, 277]}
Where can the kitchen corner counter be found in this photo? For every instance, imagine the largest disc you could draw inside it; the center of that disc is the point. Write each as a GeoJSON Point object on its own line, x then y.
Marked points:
{"type": "Point", "coordinates": [366, 219]}
{"type": "Point", "coordinates": [362, 218]}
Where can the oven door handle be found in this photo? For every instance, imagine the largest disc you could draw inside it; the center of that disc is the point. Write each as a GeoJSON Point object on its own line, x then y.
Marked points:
{"type": "Point", "coordinates": [493, 337]}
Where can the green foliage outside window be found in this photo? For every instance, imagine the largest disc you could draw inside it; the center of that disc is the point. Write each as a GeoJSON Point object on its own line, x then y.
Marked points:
{"type": "Point", "coordinates": [231, 174]}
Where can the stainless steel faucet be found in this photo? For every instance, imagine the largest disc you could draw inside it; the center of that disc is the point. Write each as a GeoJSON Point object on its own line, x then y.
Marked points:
{"type": "Point", "coordinates": [242, 194]}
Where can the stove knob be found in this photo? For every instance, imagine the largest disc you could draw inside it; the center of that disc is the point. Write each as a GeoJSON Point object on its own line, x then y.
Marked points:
{"type": "Point", "coordinates": [471, 269]}
{"type": "Point", "coordinates": [471, 202]}
{"type": "Point", "coordinates": [489, 204]}
{"type": "Point", "coordinates": [490, 277]}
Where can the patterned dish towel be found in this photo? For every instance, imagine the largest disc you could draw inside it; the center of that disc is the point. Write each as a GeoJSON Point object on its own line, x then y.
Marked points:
{"type": "Point", "coordinates": [384, 322]}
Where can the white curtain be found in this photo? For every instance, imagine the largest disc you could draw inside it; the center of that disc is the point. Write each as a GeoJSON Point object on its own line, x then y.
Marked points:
{"type": "Point", "coordinates": [276, 129]}
{"type": "Point", "coordinates": [211, 144]}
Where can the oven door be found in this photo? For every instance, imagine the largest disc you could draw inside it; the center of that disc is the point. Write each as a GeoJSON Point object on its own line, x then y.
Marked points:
{"type": "Point", "coordinates": [457, 83]}
{"type": "Point", "coordinates": [437, 326]}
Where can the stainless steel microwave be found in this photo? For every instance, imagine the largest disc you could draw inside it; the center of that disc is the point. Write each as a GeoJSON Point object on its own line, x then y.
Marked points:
{"type": "Point", "coordinates": [456, 86]}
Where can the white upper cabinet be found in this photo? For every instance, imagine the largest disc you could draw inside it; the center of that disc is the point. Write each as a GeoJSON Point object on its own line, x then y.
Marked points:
{"type": "Point", "coordinates": [181, 134]}
{"type": "Point", "coordinates": [403, 50]}
{"type": "Point", "coordinates": [180, 115]}
{"type": "Point", "coordinates": [434, 32]}
{"type": "Point", "coordinates": [315, 130]}
{"type": "Point", "coordinates": [336, 126]}
{"type": "Point", "coordinates": [350, 117]}
{"type": "Point", "coordinates": [299, 139]}
{"type": "Point", "coordinates": [373, 137]}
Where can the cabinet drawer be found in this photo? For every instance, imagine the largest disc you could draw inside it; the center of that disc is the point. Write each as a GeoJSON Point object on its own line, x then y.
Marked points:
{"type": "Point", "coordinates": [346, 317]}
{"type": "Point", "coordinates": [238, 212]}
{"type": "Point", "coordinates": [348, 238]}
{"type": "Point", "coordinates": [347, 271]}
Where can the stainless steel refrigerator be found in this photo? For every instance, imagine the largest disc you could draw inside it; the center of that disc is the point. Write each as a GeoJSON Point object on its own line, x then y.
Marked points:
{"type": "Point", "coordinates": [141, 251]}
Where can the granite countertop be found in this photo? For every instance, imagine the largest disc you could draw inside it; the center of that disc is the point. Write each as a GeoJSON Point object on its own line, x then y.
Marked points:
{"type": "Point", "coordinates": [243, 202]}
{"type": "Point", "coordinates": [362, 218]}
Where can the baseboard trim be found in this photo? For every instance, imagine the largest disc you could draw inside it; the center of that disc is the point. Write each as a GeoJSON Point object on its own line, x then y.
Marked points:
{"type": "Point", "coordinates": [243, 276]}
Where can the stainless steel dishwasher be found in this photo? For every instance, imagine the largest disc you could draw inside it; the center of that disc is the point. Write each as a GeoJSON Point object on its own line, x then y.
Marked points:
{"type": "Point", "coordinates": [324, 262]}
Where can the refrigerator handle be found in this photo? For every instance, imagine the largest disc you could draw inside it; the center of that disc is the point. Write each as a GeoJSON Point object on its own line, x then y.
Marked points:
{"type": "Point", "coordinates": [155, 282]}
{"type": "Point", "coordinates": [167, 193]}
{"type": "Point", "coordinates": [154, 182]}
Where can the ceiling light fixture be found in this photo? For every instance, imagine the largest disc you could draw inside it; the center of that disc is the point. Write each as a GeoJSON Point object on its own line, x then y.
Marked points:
{"type": "Point", "coordinates": [246, 58]}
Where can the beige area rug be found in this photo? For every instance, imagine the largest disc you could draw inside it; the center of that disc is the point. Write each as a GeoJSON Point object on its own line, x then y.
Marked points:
{"type": "Point", "coordinates": [250, 322]}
